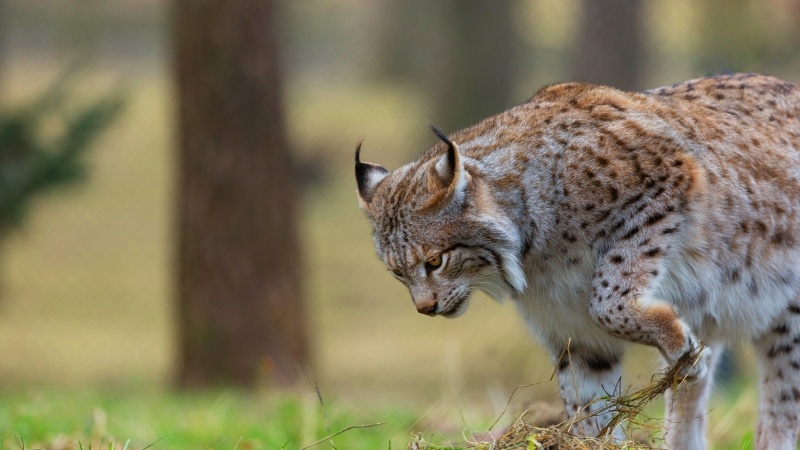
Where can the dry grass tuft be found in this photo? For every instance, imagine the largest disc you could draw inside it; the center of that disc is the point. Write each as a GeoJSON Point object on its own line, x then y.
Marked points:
{"type": "Point", "coordinates": [525, 436]}
{"type": "Point", "coordinates": [625, 410]}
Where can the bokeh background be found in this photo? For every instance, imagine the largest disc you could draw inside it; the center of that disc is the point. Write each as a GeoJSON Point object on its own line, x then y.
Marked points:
{"type": "Point", "coordinates": [90, 275]}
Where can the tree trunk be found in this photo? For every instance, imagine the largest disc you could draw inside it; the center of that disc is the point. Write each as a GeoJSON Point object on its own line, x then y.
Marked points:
{"type": "Point", "coordinates": [462, 53]}
{"type": "Point", "coordinates": [239, 296]}
{"type": "Point", "coordinates": [477, 67]}
{"type": "Point", "coordinates": [4, 32]}
{"type": "Point", "coordinates": [610, 47]}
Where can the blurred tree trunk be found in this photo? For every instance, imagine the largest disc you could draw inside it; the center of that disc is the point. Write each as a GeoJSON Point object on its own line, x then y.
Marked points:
{"type": "Point", "coordinates": [4, 23]}
{"type": "Point", "coordinates": [463, 53]}
{"type": "Point", "coordinates": [239, 297]}
{"type": "Point", "coordinates": [477, 77]}
{"type": "Point", "coordinates": [733, 35]}
{"type": "Point", "coordinates": [610, 46]}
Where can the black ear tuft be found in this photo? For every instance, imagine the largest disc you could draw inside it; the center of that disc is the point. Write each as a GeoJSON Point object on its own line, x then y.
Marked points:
{"type": "Point", "coordinates": [361, 171]}
{"type": "Point", "coordinates": [367, 176]}
{"type": "Point", "coordinates": [451, 147]}
{"type": "Point", "coordinates": [358, 152]}
{"type": "Point", "coordinates": [441, 134]}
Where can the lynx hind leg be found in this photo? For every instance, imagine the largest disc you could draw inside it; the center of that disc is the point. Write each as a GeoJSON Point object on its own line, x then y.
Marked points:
{"type": "Point", "coordinates": [585, 379]}
{"type": "Point", "coordinates": [778, 355]}
{"type": "Point", "coordinates": [687, 406]}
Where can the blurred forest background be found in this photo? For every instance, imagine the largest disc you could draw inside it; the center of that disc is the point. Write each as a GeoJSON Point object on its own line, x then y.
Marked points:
{"type": "Point", "coordinates": [106, 284]}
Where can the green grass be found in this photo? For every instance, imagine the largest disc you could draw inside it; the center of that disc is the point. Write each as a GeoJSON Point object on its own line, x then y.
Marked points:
{"type": "Point", "coordinates": [224, 419]}
{"type": "Point", "coordinates": [144, 417]}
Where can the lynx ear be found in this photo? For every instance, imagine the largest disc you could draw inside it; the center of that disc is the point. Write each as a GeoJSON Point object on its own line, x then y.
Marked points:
{"type": "Point", "coordinates": [368, 176]}
{"type": "Point", "coordinates": [450, 172]}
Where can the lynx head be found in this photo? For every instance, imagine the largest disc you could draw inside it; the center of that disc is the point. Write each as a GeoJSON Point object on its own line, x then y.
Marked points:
{"type": "Point", "coordinates": [439, 231]}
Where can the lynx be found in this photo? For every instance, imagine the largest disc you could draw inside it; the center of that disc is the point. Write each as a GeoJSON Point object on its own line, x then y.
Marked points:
{"type": "Point", "coordinates": [669, 218]}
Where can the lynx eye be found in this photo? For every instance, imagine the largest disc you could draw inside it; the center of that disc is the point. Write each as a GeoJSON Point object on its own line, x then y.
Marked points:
{"type": "Point", "coordinates": [433, 263]}
{"type": "Point", "coordinates": [397, 273]}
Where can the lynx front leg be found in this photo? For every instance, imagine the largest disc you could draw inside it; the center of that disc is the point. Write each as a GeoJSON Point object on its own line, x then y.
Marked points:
{"type": "Point", "coordinates": [621, 302]}
{"type": "Point", "coordinates": [585, 378]}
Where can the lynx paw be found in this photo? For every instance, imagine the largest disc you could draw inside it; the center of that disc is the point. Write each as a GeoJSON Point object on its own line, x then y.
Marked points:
{"type": "Point", "coordinates": [694, 364]}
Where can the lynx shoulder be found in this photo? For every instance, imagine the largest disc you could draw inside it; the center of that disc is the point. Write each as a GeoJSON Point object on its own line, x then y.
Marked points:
{"type": "Point", "coordinates": [669, 218]}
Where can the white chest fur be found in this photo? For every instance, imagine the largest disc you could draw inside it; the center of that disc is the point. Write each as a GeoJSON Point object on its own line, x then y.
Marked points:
{"type": "Point", "coordinates": [555, 305]}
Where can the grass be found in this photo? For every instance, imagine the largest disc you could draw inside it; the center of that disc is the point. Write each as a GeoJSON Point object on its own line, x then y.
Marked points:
{"type": "Point", "coordinates": [144, 417]}
{"type": "Point", "coordinates": [224, 419]}
{"type": "Point", "coordinates": [635, 412]}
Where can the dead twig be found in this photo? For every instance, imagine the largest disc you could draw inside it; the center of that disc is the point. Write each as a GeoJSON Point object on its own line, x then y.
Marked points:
{"type": "Point", "coordinates": [331, 436]}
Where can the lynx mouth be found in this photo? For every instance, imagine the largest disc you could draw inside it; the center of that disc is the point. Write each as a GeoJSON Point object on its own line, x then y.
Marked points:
{"type": "Point", "coordinates": [457, 309]}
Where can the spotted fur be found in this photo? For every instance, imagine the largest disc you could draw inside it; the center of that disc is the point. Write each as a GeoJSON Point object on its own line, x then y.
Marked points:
{"type": "Point", "coordinates": [669, 218]}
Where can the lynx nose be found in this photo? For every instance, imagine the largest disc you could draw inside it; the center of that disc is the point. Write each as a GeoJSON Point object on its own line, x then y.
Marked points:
{"type": "Point", "coordinates": [427, 308]}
